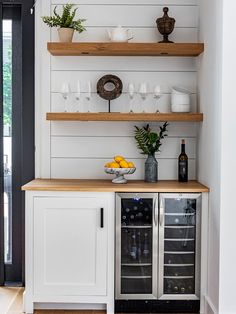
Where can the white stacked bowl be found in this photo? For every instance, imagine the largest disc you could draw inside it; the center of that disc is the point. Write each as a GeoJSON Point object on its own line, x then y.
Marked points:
{"type": "Point", "coordinates": [180, 100]}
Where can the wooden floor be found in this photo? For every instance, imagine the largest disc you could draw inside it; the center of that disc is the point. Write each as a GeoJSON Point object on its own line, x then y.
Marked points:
{"type": "Point", "coordinates": [11, 300]}
{"type": "Point", "coordinates": [11, 303]}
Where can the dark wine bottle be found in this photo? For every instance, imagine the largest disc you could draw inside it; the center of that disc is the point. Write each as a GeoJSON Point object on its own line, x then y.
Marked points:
{"type": "Point", "coordinates": [133, 249]}
{"type": "Point", "coordinates": [183, 164]}
{"type": "Point", "coordinates": [132, 220]}
{"type": "Point", "coordinates": [176, 289]}
{"type": "Point", "coordinates": [146, 246]}
{"type": "Point", "coordinates": [124, 220]}
{"type": "Point", "coordinates": [139, 249]}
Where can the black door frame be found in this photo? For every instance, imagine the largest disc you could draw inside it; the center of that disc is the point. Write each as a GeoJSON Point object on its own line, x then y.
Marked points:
{"type": "Point", "coordinates": [2, 268]}
{"type": "Point", "coordinates": [23, 161]}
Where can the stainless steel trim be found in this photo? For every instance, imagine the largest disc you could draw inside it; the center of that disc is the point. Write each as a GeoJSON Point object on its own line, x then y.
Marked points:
{"type": "Point", "coordinates": [179, 297]}
{"type": "Point", "coordinates": [195, 296]}
{"type": "Point", "coordinates": [178, 265]}
{"type": "Point", "coordinates": [136, 297]}
{"type": "Point", "coordinates": [179, 214]}
{"type": "Point", "coordinates": [118, 294]}
{"type": "Point", "coordinates": [178, 277]}
{"type": "Point", "coordinates": [179, 227]}
{"type": "Point", "coordinates": [155, 250]}
{"type": "Point", "coordinates": [136, 227]}
{"type": "Point", "coordinates": [179, 240]}
{"type": "Point", "coordinates": [158, 259]}
{"type": "Point", "coordinates": [136, 277]}
{"type": "Point", "coordinates": [136, 265]}
{"type": "Point", "coordinates": [179, 252]}
{"type": "Point", "coordinates": [161, 246]}
{"type": "Point", "coordinates": [156, 211]}
{"type": "Point", "coordinates": [198, 247]}
{"type": "Point", "coordinates": [161, 212]}
{"type": "Point", "coordinates": [118, 248]}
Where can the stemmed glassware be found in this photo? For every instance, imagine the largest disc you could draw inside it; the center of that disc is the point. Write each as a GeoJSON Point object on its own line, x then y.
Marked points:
{"type": "Point", "coordinates": [78, 96]}
{"type": "Point", "coordinates": [65, 92]}
{"type": "Point", "coordinates": [157, 94]}
{"type": "Point", "coordinates": [143, 91]}
{"type": "Point", "coordinates": [131, 91]}
{"type": "Point", "coordinates": [89, 93]}
{"type": "Point", "coordinates": [77, 107]}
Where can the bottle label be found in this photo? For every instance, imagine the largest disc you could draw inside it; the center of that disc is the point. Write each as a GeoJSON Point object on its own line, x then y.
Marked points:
{"type": "Point", "coordinates": [182, 166]}
{"type": "Point", "coordinates": [183, 171]}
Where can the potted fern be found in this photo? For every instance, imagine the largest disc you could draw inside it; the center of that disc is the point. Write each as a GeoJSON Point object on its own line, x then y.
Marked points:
{"type": "Point", "coordinates": [65, 22]}
{"type": "Point", "coordinates": [149, 142]}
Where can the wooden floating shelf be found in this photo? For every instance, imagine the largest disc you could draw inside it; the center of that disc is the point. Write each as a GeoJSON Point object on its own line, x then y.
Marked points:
{"type": "Point", "coordinates": [125, 49]}
{"type": "Point", "coordinates": [77, 116]}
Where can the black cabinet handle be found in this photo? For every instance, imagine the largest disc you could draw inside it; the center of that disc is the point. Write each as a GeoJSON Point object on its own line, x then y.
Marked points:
{"type": "Point", "coordinates": [102, 217]}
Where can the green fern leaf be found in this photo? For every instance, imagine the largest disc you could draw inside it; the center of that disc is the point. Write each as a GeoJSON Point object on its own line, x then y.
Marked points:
{"type": "Point", "coordinates": [149, 142]}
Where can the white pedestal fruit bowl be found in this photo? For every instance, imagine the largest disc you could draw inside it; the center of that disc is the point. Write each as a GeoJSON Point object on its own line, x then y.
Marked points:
{"type": "Point", "coordinates": [119, 173]}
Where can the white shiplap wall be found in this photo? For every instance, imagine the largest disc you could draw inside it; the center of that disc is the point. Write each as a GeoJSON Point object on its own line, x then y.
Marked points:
{"type": "Point", "coordinates": [80, 149]}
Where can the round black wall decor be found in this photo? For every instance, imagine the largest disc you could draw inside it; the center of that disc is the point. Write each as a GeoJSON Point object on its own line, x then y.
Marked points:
{"type": "Point", "coordinates": [109, 87]}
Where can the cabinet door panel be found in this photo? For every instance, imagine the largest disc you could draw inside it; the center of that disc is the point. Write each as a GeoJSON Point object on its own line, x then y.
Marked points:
{"type": "Point", "coordinates": [70, 246]}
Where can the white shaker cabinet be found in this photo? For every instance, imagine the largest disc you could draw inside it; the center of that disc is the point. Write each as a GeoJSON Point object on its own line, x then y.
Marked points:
{"type": "Point", "coordinates": [69, 248]}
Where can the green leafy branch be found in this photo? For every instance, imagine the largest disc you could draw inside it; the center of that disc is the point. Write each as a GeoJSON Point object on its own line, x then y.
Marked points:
{"type": "Point", "coordinates": [66, 20]}
{"type": "Point", "coordinates": [150, 142]}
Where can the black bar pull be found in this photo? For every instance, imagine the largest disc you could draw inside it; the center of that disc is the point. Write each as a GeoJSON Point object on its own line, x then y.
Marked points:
{"type": "Point", "coordinates": [102, 218]}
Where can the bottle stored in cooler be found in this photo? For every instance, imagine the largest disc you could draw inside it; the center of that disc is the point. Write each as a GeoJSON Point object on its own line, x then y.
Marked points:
{"type": "Point", "coordinates": [132, 219]}
{"type": "Point", "coordinates": [146, 251]}
{"type": "Point", "coordinates": [176, 289]}
{"type": "Point", "coordinates": [157, 239]}
{"type": "Point", "coordinates": [139, 250]}
{"type": "Point", "coordinates": [133, 249]}
{"type": "Point", "coordinates": [124, 220]}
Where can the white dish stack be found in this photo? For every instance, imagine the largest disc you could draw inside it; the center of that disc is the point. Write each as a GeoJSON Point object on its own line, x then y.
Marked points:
{"type": "Point", "coordinates": [180, 100]}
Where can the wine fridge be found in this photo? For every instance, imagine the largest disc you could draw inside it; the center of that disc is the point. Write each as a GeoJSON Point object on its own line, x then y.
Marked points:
{"type": "Point", "coordinates": [157, 246]}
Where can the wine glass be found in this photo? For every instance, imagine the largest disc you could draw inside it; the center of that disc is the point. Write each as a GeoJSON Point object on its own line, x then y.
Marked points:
{"type": "Point", "coordinates": [65, 92]}
{"type": "Point", "coordinates": [143, 93]}
{"type": "Point", "coordinates": [131, 91]}
{"type": "Point", "coordinates": [157, 94]}
{"type": "Point", "coordinates": [89, 93]}
{"type": "Point", "coordinates": [78, 96]}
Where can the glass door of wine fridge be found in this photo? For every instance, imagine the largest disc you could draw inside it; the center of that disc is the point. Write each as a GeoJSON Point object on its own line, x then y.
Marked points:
{"type": "Point", "coordinates": [136, 245]}
{"type": "Point", "coordinates": [179, 241]}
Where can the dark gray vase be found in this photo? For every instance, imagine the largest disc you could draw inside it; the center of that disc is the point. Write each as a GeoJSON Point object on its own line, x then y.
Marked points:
{"type": "Point", "coordinates": [151, 169]}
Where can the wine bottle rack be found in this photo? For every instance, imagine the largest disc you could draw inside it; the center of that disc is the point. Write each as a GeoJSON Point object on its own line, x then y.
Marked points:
{"type": "Point", "coordinates": [136, 246]}
{"type": "Point", "coordinates": [180, 217]}
{"type": "Point", "coordinates": [142, 221]}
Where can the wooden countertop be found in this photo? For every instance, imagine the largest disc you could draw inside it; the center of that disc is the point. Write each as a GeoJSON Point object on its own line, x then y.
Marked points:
{"type": "Point", "coordinates": [108, 186]}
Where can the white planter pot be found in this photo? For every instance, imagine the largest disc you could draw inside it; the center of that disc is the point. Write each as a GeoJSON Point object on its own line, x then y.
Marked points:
{"type": "Point", "coordinates": [65, 34]}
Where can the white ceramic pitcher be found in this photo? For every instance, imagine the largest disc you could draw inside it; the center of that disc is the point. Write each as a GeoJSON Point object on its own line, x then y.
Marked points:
{"type": "Point", "coordinates": [119, 34]}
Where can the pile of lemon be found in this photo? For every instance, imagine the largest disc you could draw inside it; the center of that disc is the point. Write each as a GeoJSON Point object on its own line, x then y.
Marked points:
{"type": "Point", "coordinates": [120, 162]}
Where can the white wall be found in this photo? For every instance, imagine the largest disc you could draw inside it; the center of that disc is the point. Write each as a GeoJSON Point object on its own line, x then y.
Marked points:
{"type": "Point", "coordinates": [227, 304]}
{"type": "Point", "coordinates": [209, 152]}
{"type": "Point", "coordinates": [80, 149]}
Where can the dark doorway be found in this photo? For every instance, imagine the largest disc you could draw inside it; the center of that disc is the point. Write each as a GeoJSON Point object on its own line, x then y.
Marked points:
{"type": "Point", "coordinates": [16, 132]}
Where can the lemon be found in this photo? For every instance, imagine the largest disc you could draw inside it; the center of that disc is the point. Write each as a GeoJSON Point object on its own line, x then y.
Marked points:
{"type": "Point", "coordinates": [131, 165]}
{"type": "Point", "coordinates": [114, 165]}
{"type": "Point", "coordinates": [107, 165]}
{"type": "Point", "coordinates": [118, 158]}
{"type": "Point", "coordinates": [124, 164]}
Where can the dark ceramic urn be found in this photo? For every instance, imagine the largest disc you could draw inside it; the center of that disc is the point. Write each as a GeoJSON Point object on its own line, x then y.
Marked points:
{"type": "Point", "coordinates": [165, 25]}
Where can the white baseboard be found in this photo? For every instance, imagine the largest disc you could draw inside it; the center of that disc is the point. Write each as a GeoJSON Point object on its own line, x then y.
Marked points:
{"type": "Point", "coordinates": [68, 306]}
{"type": "Point", "coordinates": [211, 305]}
